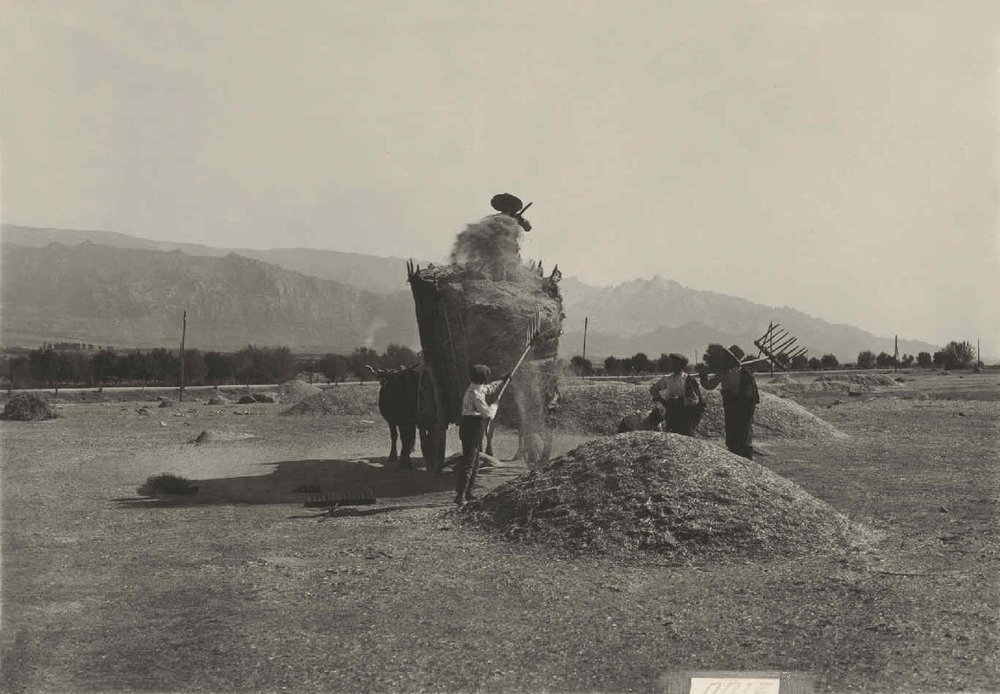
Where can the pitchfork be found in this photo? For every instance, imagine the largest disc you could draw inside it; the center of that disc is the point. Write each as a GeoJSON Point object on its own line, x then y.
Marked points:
{"type": "Point", "coordinates": [531, 335]}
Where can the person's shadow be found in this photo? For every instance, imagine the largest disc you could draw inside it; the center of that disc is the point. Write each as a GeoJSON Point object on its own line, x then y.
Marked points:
{"type": "Point", "coordinates": [300, 481]}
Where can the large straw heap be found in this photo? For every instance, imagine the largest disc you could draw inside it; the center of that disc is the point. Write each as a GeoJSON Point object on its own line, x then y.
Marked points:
{"type": "Point", "coordinates": [669, 495]}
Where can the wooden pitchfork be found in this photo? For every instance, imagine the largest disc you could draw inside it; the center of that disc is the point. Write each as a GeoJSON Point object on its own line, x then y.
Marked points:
{"type": "Point", "coordinates": [531, 335]}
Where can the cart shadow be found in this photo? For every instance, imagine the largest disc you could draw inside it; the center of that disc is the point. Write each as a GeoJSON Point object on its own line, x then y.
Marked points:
{"type": "Point", "coordinates": [299, 481]}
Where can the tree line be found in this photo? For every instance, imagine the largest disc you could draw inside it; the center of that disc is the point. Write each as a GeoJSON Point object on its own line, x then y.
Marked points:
{"type": "Point", "coordinates": [956, 355]}
{"type": "Point", "coordinates": [53, 366]}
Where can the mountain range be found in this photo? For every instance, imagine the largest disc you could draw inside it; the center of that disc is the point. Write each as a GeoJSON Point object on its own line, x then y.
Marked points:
{"type": "Point", "coordinates": [108, 288]}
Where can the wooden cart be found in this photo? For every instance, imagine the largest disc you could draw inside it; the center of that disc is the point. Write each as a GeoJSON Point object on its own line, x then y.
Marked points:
{"type": "Point", "coordinates": [456, 312]}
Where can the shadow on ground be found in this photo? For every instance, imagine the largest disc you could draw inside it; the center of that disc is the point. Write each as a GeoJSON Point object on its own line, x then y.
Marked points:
{"type": "Point", "coordinates": [298, 481]}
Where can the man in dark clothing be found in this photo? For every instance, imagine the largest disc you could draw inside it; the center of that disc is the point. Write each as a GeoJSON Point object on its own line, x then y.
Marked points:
{"type": "Point", "coordinates": [739, 395]}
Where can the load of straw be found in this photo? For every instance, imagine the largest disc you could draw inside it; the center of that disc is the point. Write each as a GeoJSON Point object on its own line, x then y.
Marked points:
{"type": "Point", "coordinates": [478, 310]}
{"type": "Point", "coordinates": [661, 494]}
{"type": "Point", "coordinates": [27, 407]}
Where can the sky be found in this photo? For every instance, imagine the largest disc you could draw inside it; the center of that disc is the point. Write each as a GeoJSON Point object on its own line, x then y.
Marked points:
{"type": "Point", "coordinates": [837, 156]}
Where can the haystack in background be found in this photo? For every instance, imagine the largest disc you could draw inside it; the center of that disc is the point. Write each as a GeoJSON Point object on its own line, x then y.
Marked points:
{"type": "Point", "coordinates": [597, 408]}
{"type": "Point", "coordinates": [861, 379]}
{"type": "Point", "coordinates": [295, 390]}
{"type": "Point", "coordinates": [27, 407]}
{"type": "Point", "coordinates": [339, 401]}
{"type": "Point", "coordinates": [835, 383]}
{"type": "Point", "coordinates": [665, 494]}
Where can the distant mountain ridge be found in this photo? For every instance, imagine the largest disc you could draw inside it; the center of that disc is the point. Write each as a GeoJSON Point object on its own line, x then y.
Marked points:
{"type": "Point", "coordinates": [368, 272]}
{"type": "Point", "coordinates": [109, 288]}
{"type": "Point", "coordinates": [128, 297]}
{"type": "Point", "coordinates": [659, 315]}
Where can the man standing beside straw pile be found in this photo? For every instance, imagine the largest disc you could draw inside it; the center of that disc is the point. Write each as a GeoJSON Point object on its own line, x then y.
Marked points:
{"type": "Point", "coordinates": [739, 395]}
{"type": "Point", "coordinates": [476, 414]}
{"type": "Point", "coordinates": [680, 395]}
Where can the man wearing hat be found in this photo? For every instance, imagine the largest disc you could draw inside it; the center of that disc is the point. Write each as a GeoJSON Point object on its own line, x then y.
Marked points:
{"type": "Point", "coordinates": [680, 395]}
{"type": "Point", "coordinates": [739, 395]}
{"type": "Point", "coordinates": [476, 414]}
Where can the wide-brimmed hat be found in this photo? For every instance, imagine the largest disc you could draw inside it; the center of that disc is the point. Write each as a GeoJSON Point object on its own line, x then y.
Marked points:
{"type": "Point", "coordinates": [676, 358]}
{"type": "Point", "coordinates": [721, 358]}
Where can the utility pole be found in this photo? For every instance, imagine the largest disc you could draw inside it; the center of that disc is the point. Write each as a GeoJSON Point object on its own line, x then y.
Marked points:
{"type": "Point", "coordinates": [895, 355]}
{"type": "Point", "coordinates": [979, 355]}
{"type": "Point", "coordinates": [184, 325]}
{"type": "Point", "coordinates": [586, 320]}
{"type": "Point", "coordinates": [770, 332]}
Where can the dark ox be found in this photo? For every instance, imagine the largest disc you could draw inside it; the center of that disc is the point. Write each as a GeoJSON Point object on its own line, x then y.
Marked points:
{"type": "Point", "coordinates": [397, 403]}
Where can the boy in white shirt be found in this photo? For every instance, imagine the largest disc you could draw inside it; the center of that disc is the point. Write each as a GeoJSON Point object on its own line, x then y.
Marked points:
{"type": "Point", "coordinates": [476, 415]}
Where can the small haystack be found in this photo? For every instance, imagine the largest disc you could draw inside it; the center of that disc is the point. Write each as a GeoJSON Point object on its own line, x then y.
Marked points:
{"type": "Point", "coordinates": [860, 379]}
{"type": "Point", "coordinates": [597, 408]}
{"type": "Point", "coordinates": [167, 403]}
{"type": "Point", "coordinates": [219, 400]}
{"type": "Point", "coordinates": [213, 436]}
{"type": "Point", "coordinates": [27, 407]}
{"type": "Point", "coordinates": [663, 494]}
{"type": "Point", "coordinates": [340, 401]}
{"type": "Point", "coordinates": [295, 390]}
{"type": "Point", "coordinates": [167, 483]}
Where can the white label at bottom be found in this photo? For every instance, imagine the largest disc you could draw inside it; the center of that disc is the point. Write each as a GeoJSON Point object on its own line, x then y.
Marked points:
{"type": "Point", "coordinates": [734, 685]}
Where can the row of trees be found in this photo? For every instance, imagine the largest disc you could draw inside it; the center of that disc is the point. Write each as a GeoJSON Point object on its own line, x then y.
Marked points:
{"type": "Point", "coordinates": [51, 367]}
{"type": "Point", "coordinates": [956, 355]}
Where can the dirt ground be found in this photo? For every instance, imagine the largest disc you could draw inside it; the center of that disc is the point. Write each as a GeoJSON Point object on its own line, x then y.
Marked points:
{"type": "Point", "coordinates": [242, 588]}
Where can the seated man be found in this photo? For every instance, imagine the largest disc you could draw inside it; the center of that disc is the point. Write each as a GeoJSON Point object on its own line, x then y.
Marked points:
{"type": "Point", "coordinates": [636, 422]}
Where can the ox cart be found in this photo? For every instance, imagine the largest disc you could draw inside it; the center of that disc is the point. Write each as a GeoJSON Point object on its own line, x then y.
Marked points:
{"type": "Point", "coordinates": [465, 317]}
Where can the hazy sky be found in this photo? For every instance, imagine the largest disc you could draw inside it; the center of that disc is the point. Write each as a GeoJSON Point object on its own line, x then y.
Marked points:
{"type": "Point", "coordinates": [839, 157]}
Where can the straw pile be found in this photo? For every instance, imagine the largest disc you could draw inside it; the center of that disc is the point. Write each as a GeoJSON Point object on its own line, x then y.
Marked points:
{"type": "Point", "coordinates": [492, 248]}
{"type": "Point", "coordinates": [660, 494]}
{"type": "Point", "coordinates": [862, 379]}
{"type": "Point", "coordinates": [213, 436]}
{"type": "Point", "coordinates": [340, 401]}
{"type": "Point", "coordinates": [597, 408]}
{"type": "Point", "coordinates": [295, 390]}
{"type": "Point", "coordinates": [27, 407]}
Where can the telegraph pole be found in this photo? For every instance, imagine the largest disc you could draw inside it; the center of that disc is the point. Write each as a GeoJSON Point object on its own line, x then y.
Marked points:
{"type": "Point", "coordinates": [586, 320]}
{"type": "Point", "coordinates": [184, 325]}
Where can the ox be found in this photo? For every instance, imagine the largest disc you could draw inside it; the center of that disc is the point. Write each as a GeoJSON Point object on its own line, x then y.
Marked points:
{"type": "Point", "coordinates": [397, 403]}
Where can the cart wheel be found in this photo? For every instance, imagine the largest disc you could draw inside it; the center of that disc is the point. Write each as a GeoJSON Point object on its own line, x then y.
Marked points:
{"type": "Point", "coordinates": [431, 422]}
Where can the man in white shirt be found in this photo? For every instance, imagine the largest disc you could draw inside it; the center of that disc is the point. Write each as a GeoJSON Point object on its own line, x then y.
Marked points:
{"type": "Point", "coordinates": [680, 394]}
{"type": "Point", "coordinates": [477, 412]}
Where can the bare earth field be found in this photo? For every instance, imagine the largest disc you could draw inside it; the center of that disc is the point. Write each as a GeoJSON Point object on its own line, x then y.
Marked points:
{"type": "Point", "coordinates": [240, 588]}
